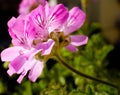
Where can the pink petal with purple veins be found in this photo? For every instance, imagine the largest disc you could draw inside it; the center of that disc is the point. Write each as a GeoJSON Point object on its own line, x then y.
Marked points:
{"type": "Point", "coordinates": [38, 16]}
{"type": "Point", "coordinates": [35, 71]}
{"type": "Point", "coordinates": [38, 19]}
{"type": "Point", "coordinates": [22, 31]}
{"type": "Point", "coordinates": [75, 20]}
{"type": "Point", "coordinates": [57, 17]}
{"type": "Point", "coordinates": [18, 64]}
{"type": "Point", "coordinates": [17, 26]}
{"type": "Point", "coordinates": [78, 40]}
{"type": "Point", "coordinates": [17, 30]}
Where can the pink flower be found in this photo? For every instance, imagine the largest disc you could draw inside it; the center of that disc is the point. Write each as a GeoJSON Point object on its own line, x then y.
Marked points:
{"type": "Point", "coordinates": [21, 61]}
{"type": "Point", "coordinates": [29, 38]}
{"type": "Point", "coordinates": [28, 5]}
{"type": "Point", "coordinates": [39, 33]}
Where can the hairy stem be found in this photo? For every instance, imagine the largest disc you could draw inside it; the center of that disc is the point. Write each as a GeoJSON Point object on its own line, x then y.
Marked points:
{"type": "Point", "coordinates": [61, 60]}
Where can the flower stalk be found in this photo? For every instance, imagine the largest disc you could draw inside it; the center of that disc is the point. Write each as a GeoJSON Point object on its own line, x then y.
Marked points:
{"type": "Point", "coordinates": [62, 61]}
{"type": "Point", "coordinates": [84, 4]}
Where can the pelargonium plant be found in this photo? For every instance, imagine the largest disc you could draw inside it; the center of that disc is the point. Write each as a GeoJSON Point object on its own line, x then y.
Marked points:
{"type": "Point", "coordinates": [39, 35]}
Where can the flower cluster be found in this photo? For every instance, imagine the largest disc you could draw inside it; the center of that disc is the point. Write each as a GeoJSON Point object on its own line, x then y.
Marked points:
{"type": "Point", "coordinates": [40, 34]}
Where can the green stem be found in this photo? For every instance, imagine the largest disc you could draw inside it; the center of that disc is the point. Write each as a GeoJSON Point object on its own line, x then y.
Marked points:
{"type": "Point", "coordinates": [84, 5]}
{"type": "Point", "coordinates": [82, 74]}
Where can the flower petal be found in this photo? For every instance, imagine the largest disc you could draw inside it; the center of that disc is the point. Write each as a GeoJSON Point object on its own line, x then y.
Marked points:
{"type": "Point", "coordinates": [71, 48]}
{"type": "Point", "coordinates": [57, 17]}
{"type": "Point", "coordinates": [22, 64]}
{"type": "Point", "coordinates": [29, 65]}
{"type": "Point", "coordinates": [11, 53]}
{"type": "Point", "coordinates": [19, 80]}
{"type": "Point", "coordinates": [36, 71]}
{"type": "Point", "coordinates": [46, 47]}
{"type": "Point", "coordinates": [16, 26]}
{"type": "Point", "coordinates": [38, 19]}
{"type": "Point", "coordinates": [17, 65]}
{"type": "Point", "coordinates": [11, 22]}
{"type": "Point", "coordinates": [18, 29]}
{"type": "Point", "coordinates": [75, 20]}
{"type": "Point", "coordinates": [78, 40]}
{"type": "Point", "coordinates": [38, 16]}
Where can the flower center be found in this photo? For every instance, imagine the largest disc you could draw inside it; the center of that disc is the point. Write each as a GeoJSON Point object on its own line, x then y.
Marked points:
{"type": "Point", "coordinates": [61, 39]}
